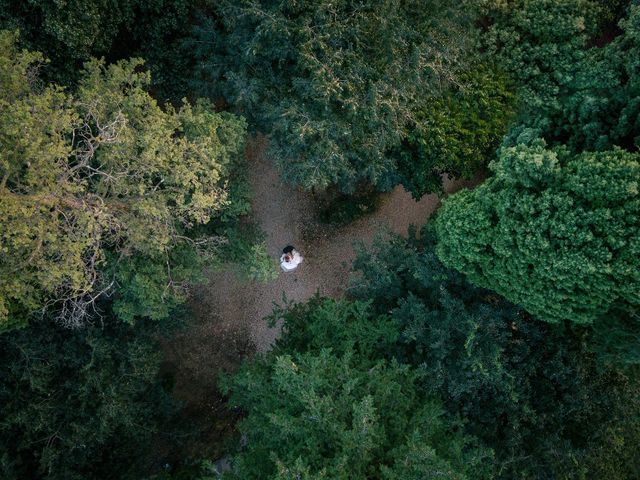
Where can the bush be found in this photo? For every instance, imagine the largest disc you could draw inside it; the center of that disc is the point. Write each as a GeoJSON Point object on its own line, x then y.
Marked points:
{"type": "Point", "coordinates": [338, 209]}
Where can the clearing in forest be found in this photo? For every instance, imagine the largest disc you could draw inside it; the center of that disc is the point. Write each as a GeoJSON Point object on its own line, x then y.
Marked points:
{"type": "Point", "coordinates": [229, 310]}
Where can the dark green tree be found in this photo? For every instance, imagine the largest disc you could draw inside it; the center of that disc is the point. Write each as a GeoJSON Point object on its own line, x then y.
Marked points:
{"type": "Point", "coordinates": [337, 85]}
{"type": "Point", "coordinates": [79, 404]}
{"type": "Point", "coordinates": [457, 134]}
{"type": "Point", "coordinates": [556, 233]}
{"type": "Point", "coordinates": [68, 31]}
{"type": "Point", "coordinates": [529, 390]}
{"type": "Point", "coordinates": [540, 43]}
{"type": "Point", "coordinates": [577, 74]}
{"type": "Point", "coordinates": [71, 32]}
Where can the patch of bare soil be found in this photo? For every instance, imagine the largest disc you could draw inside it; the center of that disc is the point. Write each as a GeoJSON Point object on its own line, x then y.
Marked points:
{"type": "Point", "coordinates": [230, 311]}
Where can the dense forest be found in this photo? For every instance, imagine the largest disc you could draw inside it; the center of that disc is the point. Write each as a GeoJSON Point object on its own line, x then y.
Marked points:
{"type": "Point", "coordinates": [500, 339]}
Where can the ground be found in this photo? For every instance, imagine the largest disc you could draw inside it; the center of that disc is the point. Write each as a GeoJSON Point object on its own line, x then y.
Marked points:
{"type": "Point", "coordinates": [230, 310]}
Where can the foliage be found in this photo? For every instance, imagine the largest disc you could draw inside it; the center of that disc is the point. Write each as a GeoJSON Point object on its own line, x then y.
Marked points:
{"type": "Point", "coordinates": [627, 48]}
{"type": "Point", "coordinates": [342, 326]}
{"type": "Point", "coordinates": [616, 339]}
{"type": "Point", "coordinates": [146, 286]}
{"type": "Point", "coordinates": [554, 232]}
{"type": "Point", "coordinates": [206, 45]}
{"type": "Point", "coordinates": [609, 14]}
{"type": "Point", "coordinates": [575, 93]}
{"type": "Point", "coordinates": [529, 390]}
{"type": "Point", "coordinates": [105, 174]}
{"type": "Point", "coordinates": [340, 209]}
{"type": "Point", "coordinates": [71, 32]}
{"type": "Point", "coordinates": [111, 204]}
{"type": "Point", "coordinates": [75, 403]}
{"type": "Point", "coordinates": [246, 247]}
{"type": "Point", "coordinates": [539, 43]}
{"type": "Point", "coordinates": [613, 453]}
{"type": "Point", "coordinates": [323, 415]}
{"type": "Point", "coordinates": [456, 134]}
{"type": "Point", "coordinates": [68, 31]}
{"type": "Point", "coordinates": [157, 35]}
{"type": "Point", "coordinates": [337, 84]}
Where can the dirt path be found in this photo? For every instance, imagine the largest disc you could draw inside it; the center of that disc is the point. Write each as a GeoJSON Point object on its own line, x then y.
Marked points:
{"type": "Point", "coordinates": [283, 213]}
{"type": "Point", "coordinates": [229, 312]}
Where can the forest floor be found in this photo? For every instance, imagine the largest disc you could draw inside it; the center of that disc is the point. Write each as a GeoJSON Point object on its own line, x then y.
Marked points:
{"type": "Point", "coordinates": [230, 310]}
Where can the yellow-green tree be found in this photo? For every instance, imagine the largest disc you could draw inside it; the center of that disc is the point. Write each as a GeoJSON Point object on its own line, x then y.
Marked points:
{"type": "Point", "coordinates": [97, 183]}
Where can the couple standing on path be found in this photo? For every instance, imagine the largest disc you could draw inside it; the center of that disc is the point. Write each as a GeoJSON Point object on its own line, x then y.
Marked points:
{"type": "Point", "coordinates": [290, 259]}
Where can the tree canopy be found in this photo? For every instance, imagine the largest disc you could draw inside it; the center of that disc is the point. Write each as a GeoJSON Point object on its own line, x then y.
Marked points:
{"type": "Point", "coordinates": [457, 133]}
{"type": "Point", "coordinates": [75, 403]}
{"type": "Point", "coordinates": [339, 85]}
{"type": "Point", "coordinates": [327, 416]}
{"type": "Point", "coordinates": [529, 390]}
{"type": "Point", "coordinates": [577, 84]}
{"type": "Point", "coordinates": [72, 32]}
{"type": "Point", "coordinates": [554, 232]}
{"type": "Point", "coordinates": [501, 341]}
{"type": "Point", "coordinates": [93, 177]}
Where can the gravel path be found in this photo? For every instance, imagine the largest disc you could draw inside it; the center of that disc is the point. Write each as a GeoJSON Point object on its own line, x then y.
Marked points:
{"type": "Point", "coordinates": [286, 216]}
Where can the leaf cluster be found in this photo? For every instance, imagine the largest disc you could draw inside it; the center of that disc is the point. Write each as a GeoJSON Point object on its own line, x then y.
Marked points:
{"type": "Point", "coordinates": [326, 414]}
{"type": "Point", "coordinates": [458, 133]}
{"type": "Point", "coordinates": [529, 390]}
{"type": "Point", "coordinates": [75, 403]}
{"type": "Point", "coordinates": [71, 32]}
{"type": "Point", "coordinates": [574, 90]}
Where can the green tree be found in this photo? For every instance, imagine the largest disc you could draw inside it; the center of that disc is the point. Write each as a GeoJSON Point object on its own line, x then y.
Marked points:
{"type": "Point", "coordinates": [95, 182]}
{"type": "Point", "coordinates": [627, 48]}
{"type": "Point", "coordinates": [457, 134]}
{"type": "Point", "coordinates": [554, 232]}
{"type": "Point", "coordinates": [578, 84]}
{"type": "Point", "coordinates": [336, 85]}
{"type": "Point", "coordinates": [71, 32]}
{"type": "Point", "coordinates": [530, 390]}
{"type": "Point", "coordinates": [540, 43]}
{"type": "Point", "coordinates": [338, 416]}
{"type": "Point", "coordinates": [79, 404]}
